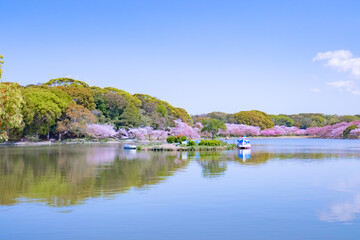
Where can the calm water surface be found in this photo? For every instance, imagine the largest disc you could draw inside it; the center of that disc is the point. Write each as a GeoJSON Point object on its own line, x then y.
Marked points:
{"type": "Point", "coordinates": [282, 189]}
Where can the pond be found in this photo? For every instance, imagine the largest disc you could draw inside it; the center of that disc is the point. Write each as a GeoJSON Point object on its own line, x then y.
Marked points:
{"type": "Point", "coordinates": [281, 189]}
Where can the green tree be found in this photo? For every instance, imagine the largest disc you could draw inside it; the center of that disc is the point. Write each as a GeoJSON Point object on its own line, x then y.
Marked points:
{"type": "Point", "coordinates": [80, 91]}
{"type": "Point", "coordinates": [346, 132]}
{"type": "Point", "coordinates": [218, 115]}
{"type": "Point", "coordinates": [254, 118]}
{"type": "Point", "coordinates": [101, 105]}
{"type": "Point", "coordinates": [182, 114]}
{"type": "Point", "coordinates": [130, 117]}
{"type": "Point", "coordinates": [230, 118]}
{"type": "Point", "coordinates": [81, 95]}
{"type": "Point", "coordinates": [162, 110]}
{"type": "Point", "coordinates": [128, 108]}
{"type": "Point", "coordinates": [66, 82]}
{"type": "Point", "coordinates": [115, 104]}
{"type": "Point", "coordinates": [282, 120]}
{"type": "Point", "coordinates": [212, 126]}
{"type": "Point", "coordinates": [318, 120]}
{"type": "Point", "coordinates": [43, 107]}
{"type": "Point", "coordinates": [11, 103]}
{"type": "Point", "coordinates": [333, 120]}
{"type": "Point", "coordinates": [348, 118]}
{"type": "Point", "coordinates": [301, 121]}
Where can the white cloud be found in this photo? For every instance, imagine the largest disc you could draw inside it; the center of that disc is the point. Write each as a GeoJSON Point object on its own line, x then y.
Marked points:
{"type": "Point", "coordinates": [345, 211]}
{"type": "Point", "coordinates": [342, 84]}
{"type": "Point", "coordinates": [347, 86]}
{"type": "Point", "coordinates": [342, 60]}
{"type": "Point", "coordinates": [316, 90]}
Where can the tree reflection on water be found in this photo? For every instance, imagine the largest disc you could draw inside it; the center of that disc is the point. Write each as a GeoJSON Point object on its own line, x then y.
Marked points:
{"type": "Point", "coordinates": [64, 175]}
{"type": "Point", "coordinates": [67, 175]}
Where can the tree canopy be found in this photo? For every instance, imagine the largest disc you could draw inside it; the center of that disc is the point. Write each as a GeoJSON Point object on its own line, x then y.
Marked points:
{"type": "Point", "coordinates": [159, 113]}
{"type": "Point", "coordinates": [254, 118]}
{"type": "Point", "coordinates": [75, 120]}
{"type": "Point", "coordinates": [282, 120]}
{"type": "Point", "coordinates": [212, 126]}
{"type": "Point", "coordinates": [11, 103]}
{"type": "Point", "coordinates": [66, 82]}
{"type": "Point", "coordinates": [43, 107]}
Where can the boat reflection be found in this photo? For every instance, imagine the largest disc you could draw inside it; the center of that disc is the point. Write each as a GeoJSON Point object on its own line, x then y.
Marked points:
{"type": "Point", "coordinates": [244, 154]}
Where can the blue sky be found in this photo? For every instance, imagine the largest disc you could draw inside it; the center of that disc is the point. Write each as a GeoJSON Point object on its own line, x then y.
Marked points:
{"type": "Point", "coordinates": [274, 56]}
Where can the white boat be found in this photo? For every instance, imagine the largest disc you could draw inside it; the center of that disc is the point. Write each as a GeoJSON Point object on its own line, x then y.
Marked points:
{"type": "Point", "coordinates": [129, 146]}
{"type": "Point", "coordinates": [243, 143]}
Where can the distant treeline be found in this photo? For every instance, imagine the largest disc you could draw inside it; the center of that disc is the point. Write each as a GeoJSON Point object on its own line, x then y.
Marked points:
{"type": "Point", "coordinates": [65, 107]}
{"type": "Point", "coordinates": [263, 120]}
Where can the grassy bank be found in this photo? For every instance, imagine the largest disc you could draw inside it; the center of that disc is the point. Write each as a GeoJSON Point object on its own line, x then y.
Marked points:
{"type": "Point", "coordinates": [173, 147]}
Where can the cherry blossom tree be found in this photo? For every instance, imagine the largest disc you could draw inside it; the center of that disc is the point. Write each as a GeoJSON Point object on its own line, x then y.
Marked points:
{"type": "Point", "coordinates": [299, 132]}
{"type": "Point", "coordinates": [100, 131]}
{"type": "Point", "coordinates": [147, 133]}
{"type": "Point", "coordinates": [160, 134]}
{"type": "Point", "coordinates": [122, 133]}
{"type": "Point", "coordinates": [240, 130]}
{"type": "Point", "coordinates": [332, 131]}
{"type": "Point", "coordinates": [282, 131]}
{"type": "Point", "coordinates": [355, 133]}
{"type": "Point", "coordinates": [184, 129]}
{"type": "Point", "coordinates": [268, 132]}
{"type": "Point", "coordinates": [138, 133]}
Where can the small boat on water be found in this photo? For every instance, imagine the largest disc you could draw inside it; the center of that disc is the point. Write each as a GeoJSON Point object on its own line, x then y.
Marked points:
{"type": "Point", "coordinates": [243, 143]}
{"type": "Point", "coordinates": [129, 146]}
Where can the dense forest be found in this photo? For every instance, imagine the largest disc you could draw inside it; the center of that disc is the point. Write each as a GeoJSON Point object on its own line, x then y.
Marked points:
{"type": "Point", "coordinates": [67, 108]}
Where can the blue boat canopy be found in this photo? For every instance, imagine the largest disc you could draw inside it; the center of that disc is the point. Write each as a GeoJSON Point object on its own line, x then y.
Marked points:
{"type": "Point", "coordinates": [243, 141]}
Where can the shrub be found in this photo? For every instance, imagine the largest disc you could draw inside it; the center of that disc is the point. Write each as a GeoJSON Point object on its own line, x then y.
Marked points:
{"type": "Point", "coordinates": [171, 139]}
{"type": "Point", "coordinates": [347, 131]}
{"type": "Point", "coordinates": [32, 138]}
{"type": "Point", "coordinates": [180, 139]}
{"type": "Point", "coordinates": [191, 143]}
{"type": "Point", "coordinates": [211, 143]}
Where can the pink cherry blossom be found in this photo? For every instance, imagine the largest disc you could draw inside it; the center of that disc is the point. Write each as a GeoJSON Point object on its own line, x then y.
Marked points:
{"type": "Point", "coordinates": [184, 129]}
{"type": "Point", "coordinates": [100, 130]}
{"type": "Point", "coordinates": [332, 131]}
{"type": "Point", "coordinates": [240, 130]}
{"type": "Point", "coordinates": [147, 133]}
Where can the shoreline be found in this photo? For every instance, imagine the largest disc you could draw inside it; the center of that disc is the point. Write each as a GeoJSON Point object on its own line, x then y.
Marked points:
{"type": "Point", "coordinates": [133, 141]}
{"type": "Point", "coordinates": [284, 137]}
{"type": "Point", "coordinates": [46, 143]}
